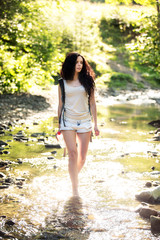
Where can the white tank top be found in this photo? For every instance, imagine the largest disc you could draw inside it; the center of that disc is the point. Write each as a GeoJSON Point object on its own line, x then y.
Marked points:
{"type": "Point", "coordinates": [76, 102]}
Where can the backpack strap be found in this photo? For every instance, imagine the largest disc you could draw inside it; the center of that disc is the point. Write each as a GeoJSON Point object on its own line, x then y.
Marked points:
{"type": "Point", "coordinates": [61, 83]}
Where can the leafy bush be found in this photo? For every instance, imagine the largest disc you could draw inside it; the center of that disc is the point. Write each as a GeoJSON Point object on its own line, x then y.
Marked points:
{"type": "Point", "coordinates": [146, 48]}
{"type": "Point", "coordinates": [120, 80]}
{"type": "Point", "coordinates": [35, 36]}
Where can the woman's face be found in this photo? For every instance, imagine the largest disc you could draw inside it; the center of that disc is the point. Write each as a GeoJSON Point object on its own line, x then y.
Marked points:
{"type": "Point", "coordinates": [79, 64]}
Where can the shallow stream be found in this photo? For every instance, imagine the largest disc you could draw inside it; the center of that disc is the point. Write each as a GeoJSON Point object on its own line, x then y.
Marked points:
{"type": "Point", "coordinates": [120, 161]}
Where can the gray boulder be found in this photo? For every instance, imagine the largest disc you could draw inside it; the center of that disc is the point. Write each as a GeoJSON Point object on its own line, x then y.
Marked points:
{"type": "Point", "coordinates": [155, 224]}
{"type": "Point", "coordinates": [152, 196]}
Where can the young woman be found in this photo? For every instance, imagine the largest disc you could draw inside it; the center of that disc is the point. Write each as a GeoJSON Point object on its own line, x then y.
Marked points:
{"type": "Point", "coordinates": [75, 125]}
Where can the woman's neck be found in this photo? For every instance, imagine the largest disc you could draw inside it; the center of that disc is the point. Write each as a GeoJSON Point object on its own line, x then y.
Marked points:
{"type": "Point", "coordinates": [76, 77]}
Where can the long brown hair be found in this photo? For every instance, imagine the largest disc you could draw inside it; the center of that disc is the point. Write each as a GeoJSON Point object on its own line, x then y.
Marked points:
{"type": "Point", "coordinates": [86, 76]}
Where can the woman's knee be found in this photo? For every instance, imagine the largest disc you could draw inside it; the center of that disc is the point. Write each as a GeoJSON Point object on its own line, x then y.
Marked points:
{"type": "Point", "coordinates": [82, 156]}
{"type": "Point", "coordinates": [72, 154]}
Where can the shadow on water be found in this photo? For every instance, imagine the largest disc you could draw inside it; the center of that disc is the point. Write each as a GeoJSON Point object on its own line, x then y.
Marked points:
{"type": "Point", "coordinates": [71, 223]}
{"type": "Point", "coordinates": [37, 194]}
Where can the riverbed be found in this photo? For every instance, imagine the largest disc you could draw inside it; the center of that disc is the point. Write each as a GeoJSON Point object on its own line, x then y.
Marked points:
{"type": "Point", "coordinates": [38, 204]}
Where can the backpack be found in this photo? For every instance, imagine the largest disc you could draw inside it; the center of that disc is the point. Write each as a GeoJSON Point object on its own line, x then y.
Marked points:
{"type": "Point", "coordinates": [61, 84]}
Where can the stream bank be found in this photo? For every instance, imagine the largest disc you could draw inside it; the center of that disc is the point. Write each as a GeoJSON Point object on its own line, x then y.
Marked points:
{"type": "Point", "coordinates": [42, 103]}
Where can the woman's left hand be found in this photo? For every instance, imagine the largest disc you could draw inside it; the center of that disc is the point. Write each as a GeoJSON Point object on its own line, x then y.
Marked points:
{"type": "Point", "coordinates": [96, 130]}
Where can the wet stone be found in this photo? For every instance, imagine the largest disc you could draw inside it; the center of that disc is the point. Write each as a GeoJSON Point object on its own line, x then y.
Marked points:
{"type": "Point", "coordinates": [155, 173]}
{"type": "Point", "coordinates": [2, 143]}
{"type": "Point", "coordinates": [41, 140]}
{"type": "Point", "coordinates": [9, 223]}
{"type": "Point", "coordinates": [156, 138]}
{"type": "Point", "coordinates": [155, 123]}
{"type": "Point", "coordinates": [54, 152]}
{"type": "Point", "coordinates": [20, 179]}
{"type": "Point", "coordinates": [3, 164]}
{"type": "Point", "coordinates": [19, 160]}
{"type": "Point", "coordinates": [155, 224]}
{"type": "Point", "coordinates": [6, 152]}
{"type": "Point", "coordinates": [6, 184]}
{"type": "Point", "coordinates": [50, 158]}
{"type": "Point", "coordinates": [35, 123]}
{"type": "Point", "coordinates": [52, 235]}
{"type": "Point", "coordinates": [2, 132]}
{"type": "Point", "coordinates": [5, 235]}
{"type": "Point", "coordinates": [155, 183]}
{"type": "Point", "coordinates": [2, 175]}
{"type": "Point", "coordinates": [148, 184]}
{"type": "Point", "coordinates": [145, 197]}
{"type": "Point", "coordinates": [155, 154]}
{"type": "Point", "coordinates": [3, 186]}
{"type": "Point", "coordinates": [19, 183]}
{"type": "Point", "coordinates": [146, 212]}
{"type": "Point", "coordinates": [52, 146]}
{"type": "Point", "coordinates": [38, 134]}
{"type": "Point", "coordinates": [9, 180]}
{"type": "Point", "coordinates": [152, 196]}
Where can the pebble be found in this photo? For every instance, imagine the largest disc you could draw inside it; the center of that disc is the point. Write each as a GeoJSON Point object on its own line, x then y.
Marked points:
{"type": "Point", "coordinates": [9, 223]}
{"type": "Point", "coordinates": [50, 158]}
{"type": "Point", "coordinates": [19, 160]}
{"type": "Point", "coordinates": [5, 235]}
{"type": "Point", "coordinates": [2, 143]}
{"type": "Point", "coordinates": [47, 145]}
{"type": "Point", "coordinates": [9, 180]}
{"type": "Point", "coordinates": [3, 186]}
{"type": "Point", "coordinates": [54, 152]}
{"type": "Point", "coordinates": [20, 179]}
{"type": "Point", "coordinates": [3, 164]}
{"type": "Point", "coordinates": [2, 175]}
{"type": "Point", "coordinates": [6, 152]}
{"type": "Point", "coordinates": [148, 184]}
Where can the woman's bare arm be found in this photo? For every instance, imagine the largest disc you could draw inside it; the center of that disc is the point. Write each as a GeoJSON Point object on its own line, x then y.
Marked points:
{"type": "Point", "coordinates": [94, 112]}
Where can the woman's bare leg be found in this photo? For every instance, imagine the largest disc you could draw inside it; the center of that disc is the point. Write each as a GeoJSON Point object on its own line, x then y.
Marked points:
{"type": "Point", "coordinates": [83, 141]}
{"type": "Point", "coordinates": [70, 140]}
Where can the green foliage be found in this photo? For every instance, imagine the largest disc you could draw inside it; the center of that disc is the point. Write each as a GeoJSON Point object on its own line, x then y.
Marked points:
{"type": "Point", "coordinates": [146, 48]}
{"type": "Point", "coordinates": [35, 36]}
{"type": "Point", "coordinates": [153, 79]}
{"type": "Point", "coordinates": [120, 80]}
{"type": "Point", "coordinates": [29, 46]}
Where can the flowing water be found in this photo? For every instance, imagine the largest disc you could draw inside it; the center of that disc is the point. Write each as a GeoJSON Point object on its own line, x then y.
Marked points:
{"type": "Point", "coordinates": [119, 163]}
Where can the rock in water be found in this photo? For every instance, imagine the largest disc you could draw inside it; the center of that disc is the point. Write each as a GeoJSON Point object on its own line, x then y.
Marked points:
{"type": "Point", "coordinates": [48, 145]}
{"type": "Point", "coordinates": [155, 123]}
{"type": "Point", "coordinates": [3, 143]}
{"type": "Point", "coordinates": [155, 224]}
{"type": "Point", "coordinates": [152, 196]}
{"type": "Point", "coordinates": [146, 212]}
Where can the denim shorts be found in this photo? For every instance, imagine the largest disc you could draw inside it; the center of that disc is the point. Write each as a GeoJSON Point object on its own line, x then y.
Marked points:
{"type": "Point", "coordinates": [80, 126]}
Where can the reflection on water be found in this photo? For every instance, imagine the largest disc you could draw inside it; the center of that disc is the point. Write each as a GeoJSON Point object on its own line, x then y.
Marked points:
{"type": "Point", "coordinates": [117, 166]}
